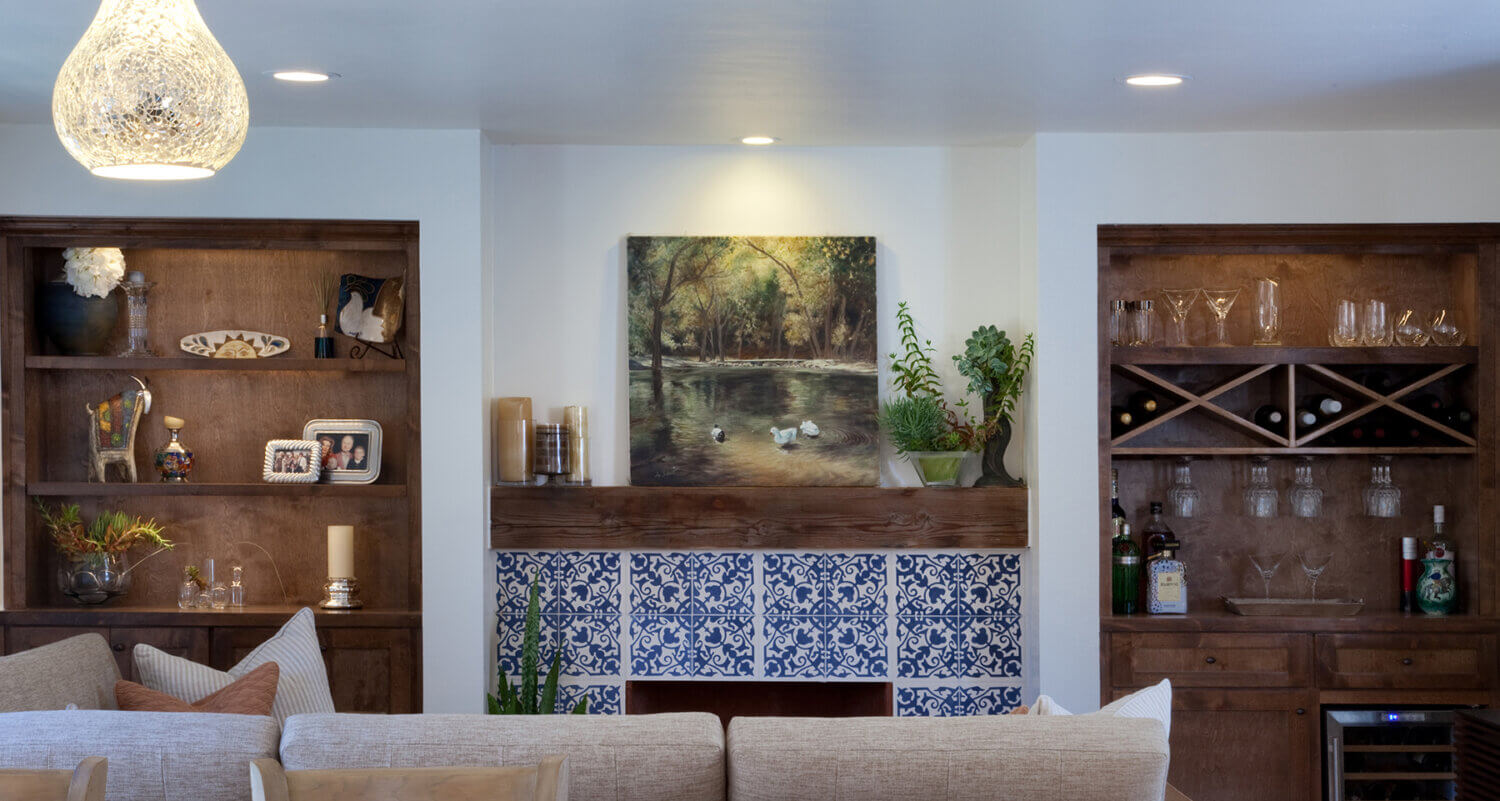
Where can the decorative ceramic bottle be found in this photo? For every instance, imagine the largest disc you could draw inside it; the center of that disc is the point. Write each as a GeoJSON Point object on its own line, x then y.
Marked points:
{"type": "Point", "coordinates": [173, 460]}
{"type": "Point", "coordinates": [1166, 582]}
{"type": "Point", "coordinates": [1437, 587]}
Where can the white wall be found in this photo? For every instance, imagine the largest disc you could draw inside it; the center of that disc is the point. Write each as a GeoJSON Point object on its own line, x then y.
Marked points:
{"type": "Point", "coordinates": [433, 177]}
{"type": "Point", "coordinates": [1085, 180]}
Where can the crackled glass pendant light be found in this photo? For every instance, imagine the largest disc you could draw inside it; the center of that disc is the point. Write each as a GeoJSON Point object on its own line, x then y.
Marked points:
{"type": "Point", "coordinates": [148, 94]}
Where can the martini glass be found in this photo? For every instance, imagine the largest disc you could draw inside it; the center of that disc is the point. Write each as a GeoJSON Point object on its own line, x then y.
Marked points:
{"type": "Point", "coordinates": [1313, 565]}
{"type": "Point", "coordinates": [1220, 301]}
{"type": "Point", "coordinates": [1179, 303]}
{"type": "Point", "coordinates": [1265, 564]}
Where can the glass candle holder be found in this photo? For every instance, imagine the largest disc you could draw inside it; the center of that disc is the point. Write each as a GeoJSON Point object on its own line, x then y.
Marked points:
{"type": "Point", "coordinates": [552, 458]}
{"type": "Point", "coordinates": [578, 444]}
{"type": "Point", "coordinates": [1267, 312]}
{"type": "Point", "coordinates": [137, 343]}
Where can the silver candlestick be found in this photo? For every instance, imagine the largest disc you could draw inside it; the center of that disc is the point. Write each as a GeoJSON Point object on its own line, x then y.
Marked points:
{"type": "Point", "coordinates": [341, 593]}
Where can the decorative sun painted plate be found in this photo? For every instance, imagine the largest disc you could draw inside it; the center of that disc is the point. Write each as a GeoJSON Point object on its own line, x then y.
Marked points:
{"type": "Point", "coordinates": [235, 344]}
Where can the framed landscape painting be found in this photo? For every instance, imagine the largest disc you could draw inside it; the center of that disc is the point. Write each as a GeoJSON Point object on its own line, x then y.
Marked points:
{"type": "Point", "coordinates": [752, 361]}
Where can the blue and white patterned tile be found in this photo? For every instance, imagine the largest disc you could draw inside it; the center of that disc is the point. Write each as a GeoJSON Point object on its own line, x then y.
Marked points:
{"type": "Point", "coordinates": [661, 645]}
{"type": "Point", "coordinates": [926, 584]}
{"type": "Point", "coordinates": [855, 647]}
{"type": "Point", "coordinates": [511, 631]}
{"type": "Point", "coordinates": [994, 700]}
{"type": "Point", "coordinates": [989, 584]}
{"type": "Point", "coordinates": [917, 702]}
{"type": "Point", "coordinates": [660, 583]}
{"type": "Point", "coordinates": [722, 583]}
{"type": "Point", "coordinates": [991, 647]}
{"type": "Point", "coordinates": [794, 647]}
{"type": "Point", "coordinates": [723, 645]}
{"type": "Point", "coordinates": [590, 644]}
{"type": "Point", "coordinates": [855, 584]}
{"type": "Point", "coordinates": [927, 647]}
{"type": "Point", "coordinates": [587, 582]}
{"type": "Point", "coordinates": [793, 583]}
{"type": "Point", "coordinates": [603, 699]}
{"type": "Point", "coordinates": [513, 575]}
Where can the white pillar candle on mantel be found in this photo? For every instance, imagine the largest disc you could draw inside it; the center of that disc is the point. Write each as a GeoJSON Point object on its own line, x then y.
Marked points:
{"type": "Point", "coordinates": [341, 551]}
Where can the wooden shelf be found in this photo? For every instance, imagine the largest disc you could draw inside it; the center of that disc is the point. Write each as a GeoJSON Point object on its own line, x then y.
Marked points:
{"type": "Point", "coordinates": [1143, 452]}
{"type": "Point", "coordinates": [1368, 621]}
{"type": "Point", "coordinates": [262, 615]}
{"type": "Point", "coordinates": [370, 364]}
{"type": "Point", "coordinates": [89, 488]}
{"type": "Point", "coordinates": [757, 517]}
{"type": "Point", "coordinates": [1466, 354]}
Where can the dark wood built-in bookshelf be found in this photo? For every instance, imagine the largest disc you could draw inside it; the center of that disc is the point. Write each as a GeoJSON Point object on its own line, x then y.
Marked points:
{"type": "Point", "coordinates": [209, 275]}
{"type": "Point", "coordinates": [1249, 689]}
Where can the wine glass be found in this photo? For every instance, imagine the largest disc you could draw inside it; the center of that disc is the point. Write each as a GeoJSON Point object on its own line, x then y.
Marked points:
{"type": "Point", "coordinates": [1186, 499]}
{"type": "Point", "coordinates": [1265, 565]}
{"type": "Point", "coordinates": [1410, 332]}
{"type": "Point", "coordinates": [1179, 303]}
{"type": "Point", "coordinates": [1305, 498]}
{"type": "Point", "coordinates": [1220, 301]}
{"type": "Point", "coordinates": [1375, 328]}
{"type": "Point", "coordinates": [1345, 330]}
{"type": "Point", "coordinates": [1382, 498]}
{"type": "Point", "coordinates": [1313, 564]}
{"type": "Point", "coordinates": [1267, 312]}
{"type": "Point", "coordinates": [1260, 496]}
{"type": "Point", "coordinates": [1444, 330]}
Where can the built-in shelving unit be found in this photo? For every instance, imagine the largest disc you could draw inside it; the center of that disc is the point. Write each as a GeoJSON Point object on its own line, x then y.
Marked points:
{"type": "Point", "coordinates": [279, 364]}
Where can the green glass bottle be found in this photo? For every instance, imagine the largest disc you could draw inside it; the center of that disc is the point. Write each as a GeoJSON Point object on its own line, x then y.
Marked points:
{"type": "Point", "coordinates": [1125, 570]}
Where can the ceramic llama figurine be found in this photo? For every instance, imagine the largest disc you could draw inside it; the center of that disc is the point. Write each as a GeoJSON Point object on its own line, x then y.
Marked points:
{"type": "Point", "coordinates": [112, 427]}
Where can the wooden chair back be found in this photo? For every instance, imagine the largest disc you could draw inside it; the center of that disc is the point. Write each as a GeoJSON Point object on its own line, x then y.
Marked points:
{"type": "Point", "coordinates": [545, 782]}
{"type": "Point", "coordinates": [83, 783]}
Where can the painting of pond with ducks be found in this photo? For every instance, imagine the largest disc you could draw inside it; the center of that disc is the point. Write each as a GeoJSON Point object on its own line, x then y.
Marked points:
{"type": "Point", "coordinates": [752, 361]}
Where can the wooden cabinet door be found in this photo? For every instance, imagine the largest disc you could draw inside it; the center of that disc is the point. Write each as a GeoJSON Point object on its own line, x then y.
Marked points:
{"type": "Point", "coordinates": [188, 642]}
{"type": "Point", "coordinates": [1211, 660]}
{"type": "Point", "coordinates": [1406, 661]}
{"type": "Point", "coordinates": [372, 670]}
{"type": "Point", "coordinates": [1244, 745]}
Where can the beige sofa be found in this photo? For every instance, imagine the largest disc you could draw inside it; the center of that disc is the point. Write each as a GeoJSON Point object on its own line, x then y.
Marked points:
{"type": "Point", "coordinates": [677, 757]}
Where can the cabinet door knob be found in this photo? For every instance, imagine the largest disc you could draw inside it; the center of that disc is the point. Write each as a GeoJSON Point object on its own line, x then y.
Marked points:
{"type": "Point", "coordinates": [1301, 711]}
{"type": "Point", "coordinates": [119, 646]}
{"type": "Point", "coordinates": [1210, 660]}
{"type": "Point", "coordinates": [323, 648]}
{"type": "Point", "coordinates": [1406, 661]}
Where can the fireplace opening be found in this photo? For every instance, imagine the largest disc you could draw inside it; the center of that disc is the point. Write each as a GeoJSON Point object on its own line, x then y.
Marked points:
{"type": "Point", "coordinates": [730, 699]}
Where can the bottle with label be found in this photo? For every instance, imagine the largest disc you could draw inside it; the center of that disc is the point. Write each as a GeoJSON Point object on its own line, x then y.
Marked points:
{"type": "Point", "coordinates": [1116, 511]}
{"type": "Point", "coordinates": [1125, 571]}
{"type": "Point", "coordinates": [1155, 534]}
{"type": "Point", "coordinates": [1437, 587]}
{"type": "Point", "coordinates": [1166, 582]}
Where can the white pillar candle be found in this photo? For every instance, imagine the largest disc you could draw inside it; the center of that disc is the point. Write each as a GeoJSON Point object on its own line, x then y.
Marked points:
{"type": "Point", "coordinates": [341, 551]}
{"type": "Point", "coordinates": [513, 440]}
{"type": "Point", "coordinates": [577, 419]}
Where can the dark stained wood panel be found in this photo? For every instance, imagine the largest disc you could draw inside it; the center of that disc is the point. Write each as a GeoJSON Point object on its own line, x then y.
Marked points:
{"type": "Point", "coordinates": [369, 364]}
{"type": "Point", "coordinates": [732, 699]}
{"type": "Point", "coordinates": [757, 517]}
{"type": "Point", "coordinates": [1211, 660]}
{"type": "Point", "coordinates": [263, 615]}
{"type": "Point", "coordinates": [84, 488]}
{"type": "Point", "coordinates": [1464, 354]}
{"type": "Point", "coordinates": [1215, 619]}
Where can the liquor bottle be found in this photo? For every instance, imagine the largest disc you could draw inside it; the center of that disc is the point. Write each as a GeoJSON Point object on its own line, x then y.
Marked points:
{"type": "Point", "coordinates": [1270, 417]}
{"type": "Point", "coordinates": [1155, 534]}
{"type": "Point", "coordinates": [1166, 582]}
{"type": "Point", "coordinates": [1437, 586]}
{"type": "Point", "coordinates": [1143, 406]}
{"type": "Point", "coordinates": [1121, 420]}
{"type": "Point", "coordinates": [1409, 574]}
{"type": "Point", "coordinates": [1116, 511]}
{"type": "Point", "coordinates": [1324, 406]}
{"type": "Point", "coordinates": [1125, 571]}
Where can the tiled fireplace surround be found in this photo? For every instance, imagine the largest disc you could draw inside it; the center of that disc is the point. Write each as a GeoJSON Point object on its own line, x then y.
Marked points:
{"type": "Point", "coordinates": [943, 627]}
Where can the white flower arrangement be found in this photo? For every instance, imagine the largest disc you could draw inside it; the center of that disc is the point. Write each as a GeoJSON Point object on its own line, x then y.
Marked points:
{"type": "Point", "coordinates": [94, 272]}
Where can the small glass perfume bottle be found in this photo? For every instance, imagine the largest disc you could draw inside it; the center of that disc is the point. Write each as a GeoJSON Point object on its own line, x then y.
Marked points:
{"type": "Point", "coordinates": [187, 594]}
{"type": "Point", "coordinates": [323, 344]}
{"type": "Point", "coordinates": [1166, 582]}
{"type": "Point", "coordinates": [237, 587]}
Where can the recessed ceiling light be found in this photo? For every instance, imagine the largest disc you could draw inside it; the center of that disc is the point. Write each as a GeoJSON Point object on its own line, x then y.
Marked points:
{"type": "Point", "coordinates": [759, 140]}
{"type": "Point", "coordinates": [1155, 79]}
{"type": "Point", "coordinates": [302, 76]}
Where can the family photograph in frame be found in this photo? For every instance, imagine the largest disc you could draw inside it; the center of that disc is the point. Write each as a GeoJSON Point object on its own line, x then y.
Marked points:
{"type": "Point", "coordinates": [292, 461]}
{"type": "Point", "coordinates": [348, 450]}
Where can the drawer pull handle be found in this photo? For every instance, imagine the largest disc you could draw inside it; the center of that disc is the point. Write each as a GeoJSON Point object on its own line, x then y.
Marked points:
{"type": "Point", "coordinates": [1406, 661]}
{"type": "Point", "coordinates": [1301, 711]}
{"type": "Point", "coordinates": [323, 648]}
{"type": "Point", "coordinates": [119, 646]}
{"type": "Point", "coordinates": [1210, 660]}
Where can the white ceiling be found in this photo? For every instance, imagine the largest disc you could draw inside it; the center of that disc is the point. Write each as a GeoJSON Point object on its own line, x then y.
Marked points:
{"type": "Point", "coordinates": [822, 72]}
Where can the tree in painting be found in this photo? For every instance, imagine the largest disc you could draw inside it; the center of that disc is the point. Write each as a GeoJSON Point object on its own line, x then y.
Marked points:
{"type": "Point", "coordinates": [752, 361]}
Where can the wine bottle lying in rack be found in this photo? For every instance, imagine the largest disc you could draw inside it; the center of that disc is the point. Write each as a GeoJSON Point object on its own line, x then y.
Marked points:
{"type": "Point", "coordinates": [1378, 380]}
{"type": "Point", "coordinates": [1428, 404]}
{"type": "Point", "coordinates": [1307, 420]}
{"type": "Point", "coordinates": [1326, 407]}
{"type": "Point", "coordinates": [1270, 417]}
{"type": "Point", "coordinates": [1120, 420]}
{"type": "Point", "coordinates": [1143, 406]}
{"type": "Point", "coordinates": [1366, 432]}
{"type": "Point", "coordinates": [1459, 419]}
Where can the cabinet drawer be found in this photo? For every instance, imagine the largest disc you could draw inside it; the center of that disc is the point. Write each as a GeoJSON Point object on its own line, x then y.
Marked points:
{"type": "Point", "coordinates": [1406, 661]}
{"type": "Point", "coordinates": [1211, 660]}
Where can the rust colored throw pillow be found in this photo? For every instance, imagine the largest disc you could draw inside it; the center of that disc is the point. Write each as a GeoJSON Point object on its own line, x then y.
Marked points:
{"type": "Point", "coordinates": [251, 695]}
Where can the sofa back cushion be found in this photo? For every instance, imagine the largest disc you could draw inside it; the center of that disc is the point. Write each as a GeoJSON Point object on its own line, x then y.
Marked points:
{"type": "Point", "coordinates": [675, 757]}
{"type": "Point", "coordinates": [79, 670]}
{"type": "Point", "coordinates": [998, 758]}
{"type": "Point", "coordinates": [153, 756]}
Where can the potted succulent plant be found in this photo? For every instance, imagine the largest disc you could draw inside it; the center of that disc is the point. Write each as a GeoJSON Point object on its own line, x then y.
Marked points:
{"type": "Point", "coordinates": [938, 438]}
{"type": "Point", "coordinates": [96, 565]}
{"type": "Point", "coordinates": [78, 311]}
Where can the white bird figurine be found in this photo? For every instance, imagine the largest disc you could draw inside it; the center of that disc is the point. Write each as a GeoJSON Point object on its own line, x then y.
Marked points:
{"type": "Point", "coordinates": [717, 434]}
{"type": "Point", "coordinates": [783, 436]}
{"type": "Point", "coordinates": [810, 429]}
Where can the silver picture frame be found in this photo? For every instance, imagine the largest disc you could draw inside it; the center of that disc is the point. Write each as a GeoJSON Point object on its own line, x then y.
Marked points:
{"type": "Point", "coordinates": [341, 442]}
{"type": "Point", "coordinates": [283, 466]}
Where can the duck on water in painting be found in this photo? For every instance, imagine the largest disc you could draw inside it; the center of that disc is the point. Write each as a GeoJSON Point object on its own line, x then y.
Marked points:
{"type": "Point", "coordinates": [752, 361]}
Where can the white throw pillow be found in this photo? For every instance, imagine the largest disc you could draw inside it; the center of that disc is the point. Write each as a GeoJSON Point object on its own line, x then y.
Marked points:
{"type": "Point", "coordinates": [303, 686]}
{"type": "Point", "coordinates": [1153, 702]}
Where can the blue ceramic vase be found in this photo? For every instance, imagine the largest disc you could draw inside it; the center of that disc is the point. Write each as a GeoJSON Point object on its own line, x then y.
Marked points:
{"type": "Point", "coordinates": [76, 325]}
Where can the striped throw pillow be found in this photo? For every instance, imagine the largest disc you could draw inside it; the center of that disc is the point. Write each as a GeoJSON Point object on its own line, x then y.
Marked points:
{"type": "Point", "coordinates": [1153, 702]}
{"type": "Point", "coordinates": [302, 686]}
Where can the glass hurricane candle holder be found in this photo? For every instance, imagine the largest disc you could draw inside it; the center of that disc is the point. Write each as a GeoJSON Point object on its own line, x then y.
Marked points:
{"type": "Point", "coordinates": [137, 343]}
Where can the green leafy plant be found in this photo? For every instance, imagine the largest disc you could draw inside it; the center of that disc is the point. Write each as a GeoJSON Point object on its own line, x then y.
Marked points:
{"type": "Point", "coordinates": [917, 424]}
{"type": "Point", "coordinates": [109, 532]}
{"type": "Point", "coordinates": [996, 369]}
{"type": "Point", "coordinates": [911, 372]}
{"type": "Point", "coordinates": [526, 700]}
